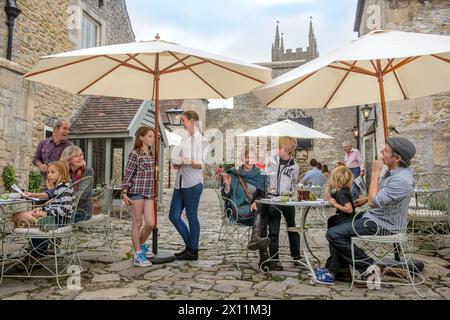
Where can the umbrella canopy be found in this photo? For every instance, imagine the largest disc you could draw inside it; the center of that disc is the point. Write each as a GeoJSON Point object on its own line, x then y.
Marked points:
{"type": "Point", "coordinates": [286, 128]}
{"type": "Point", "coordinates": [149, 70]}
{"type": "Point", "coordinates": [129, 70]}
{"type": "Point", "coordinates": [174, 139]}
{"type": "Point", "coordinates": [378, 67]}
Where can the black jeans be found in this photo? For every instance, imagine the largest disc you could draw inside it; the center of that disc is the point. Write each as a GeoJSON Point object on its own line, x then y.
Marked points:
{"type": "Point", "coordinates": [335, 262]}
{"type": "Point", "coordinates": [340, 236]}
{"type": "Point", "coordinates": [274, 229]}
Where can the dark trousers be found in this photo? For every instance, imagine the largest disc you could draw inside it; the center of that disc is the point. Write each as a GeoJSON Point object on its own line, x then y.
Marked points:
{"type": "Point", "coordinates": [335, 262]}
{"type": "Point", "coordinates": [340, 236]}
{"type": "Point", "coordinates": [274, 229]}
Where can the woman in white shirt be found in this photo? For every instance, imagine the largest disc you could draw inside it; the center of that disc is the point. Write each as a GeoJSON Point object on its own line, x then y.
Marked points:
{"type": "Point", "coordinates": [189, 160]}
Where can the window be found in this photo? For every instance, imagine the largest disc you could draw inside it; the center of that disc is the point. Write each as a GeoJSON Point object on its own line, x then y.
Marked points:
{"type": "Point", "coordinates": [90, 32]}
{"type": "Point", "coordinates": [304, 144]}
{"type": "Point", "coordinates": [48, 131]}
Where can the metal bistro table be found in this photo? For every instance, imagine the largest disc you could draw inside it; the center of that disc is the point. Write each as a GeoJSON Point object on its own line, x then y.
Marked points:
{"type": "Point", "coordinates": [304, 207]}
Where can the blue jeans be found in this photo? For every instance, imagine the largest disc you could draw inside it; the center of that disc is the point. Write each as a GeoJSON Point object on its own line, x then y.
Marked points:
{"type": "Point", "coordinates": [356, 173]}
{"type": "Point", "coordinates": [340, 236]}
{"type": "Point", "coordinates": [187, 198]}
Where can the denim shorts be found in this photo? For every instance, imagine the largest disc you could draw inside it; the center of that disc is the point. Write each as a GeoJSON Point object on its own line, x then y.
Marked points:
{"type": "Point", "coordinates": [135, 196]}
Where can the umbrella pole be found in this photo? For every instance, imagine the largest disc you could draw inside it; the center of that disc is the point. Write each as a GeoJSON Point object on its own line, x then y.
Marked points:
{"type": "Point", "coordinates": [161, 256]}
{"type": "Point", "coordinates": [382, 98]}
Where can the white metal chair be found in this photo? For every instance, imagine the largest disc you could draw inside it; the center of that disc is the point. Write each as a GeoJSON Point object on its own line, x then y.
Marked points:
{"type": "Point", "coordinates": [95, 234]}
{"type": "Point", "coordinates": [50, 230]}
{"type": "Point", "coordinates": [390, 250]}
{"type": "Point", "coordinates": [429, 212]}
{"type": "Point", "coordinates": [232, 232]}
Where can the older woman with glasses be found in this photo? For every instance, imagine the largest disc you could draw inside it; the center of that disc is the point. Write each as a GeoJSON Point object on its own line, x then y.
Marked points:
{"type": "Point", "coordinates": [74, 158]}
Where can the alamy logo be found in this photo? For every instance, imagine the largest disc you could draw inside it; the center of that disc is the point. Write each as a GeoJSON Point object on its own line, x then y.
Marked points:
{"type": "Point", "coordinates": [74, 17]}
{"type": "Point", "coordinates": [74, 281]}
{"type": "Point", "coordinates": [373, 17]}
{"type": "Point", "coordinates": [374, 280]}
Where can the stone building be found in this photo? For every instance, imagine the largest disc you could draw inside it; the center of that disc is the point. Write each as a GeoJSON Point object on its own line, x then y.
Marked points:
{"type": "Point", "coordinates": [249, 113]}
{"type": "Point", "coordinates": [280, 54]}
{"type": "Point", "coordinates": [425, 120]}
{"type": "Point", "coordinates": [43, 27]}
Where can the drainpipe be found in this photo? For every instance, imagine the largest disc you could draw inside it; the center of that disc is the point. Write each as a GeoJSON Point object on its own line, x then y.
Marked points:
{"type": "Point", "coordinates": [12, 12]}
{"type": "Point", "coordinates": [359, 128]}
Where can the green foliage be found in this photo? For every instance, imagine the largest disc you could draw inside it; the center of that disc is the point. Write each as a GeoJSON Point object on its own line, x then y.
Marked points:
{"type": "Point", "coordinates": [34, 181]}
{"type": "Point", "coordinates": [9, 177]}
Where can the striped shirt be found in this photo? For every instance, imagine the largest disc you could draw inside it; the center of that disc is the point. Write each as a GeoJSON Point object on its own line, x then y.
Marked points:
{"type": "Point", "coordinates": [62, 203]}
{"type": "Point", "coordinates": [139, 174]}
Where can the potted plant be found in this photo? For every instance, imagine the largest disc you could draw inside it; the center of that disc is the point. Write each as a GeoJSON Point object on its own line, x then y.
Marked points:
{"type": "Point", "coordinates": [9, 177]}
{"type": "Point", "coordinates": [34, 181]}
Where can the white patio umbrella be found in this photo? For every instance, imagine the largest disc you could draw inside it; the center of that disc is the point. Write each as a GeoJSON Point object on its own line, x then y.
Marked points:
{"type": "Point", "coordinates": [149, 70]}
{"type": "Point", "coordinates": [286, 128]}
{"type": "Point", "coordinates": [378, 67]}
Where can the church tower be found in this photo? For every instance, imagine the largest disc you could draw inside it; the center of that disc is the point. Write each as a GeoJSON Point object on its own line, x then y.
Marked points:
{"type": "Point", "coordinates": [279, 53]}
{"type": "Point", "coordinates": [276, 45]}
{"type": "Point", "coordinates": [312, 49]}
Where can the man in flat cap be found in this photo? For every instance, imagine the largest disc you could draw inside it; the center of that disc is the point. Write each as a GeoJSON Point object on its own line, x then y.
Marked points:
{"type": "Point", "coordinates": [395, 185]}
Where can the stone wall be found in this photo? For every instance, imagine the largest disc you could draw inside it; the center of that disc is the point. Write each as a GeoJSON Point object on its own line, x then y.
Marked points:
{"type": "Point", "coordinates": [425, 120]}
{"type": "Point", "coordinates": [249, 113]}
{"type": "Point", "coordinates": [25, 107]}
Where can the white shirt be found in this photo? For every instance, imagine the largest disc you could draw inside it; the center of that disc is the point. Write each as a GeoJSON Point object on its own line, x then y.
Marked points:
{"type": "Point", "coordinates": [193, 148]}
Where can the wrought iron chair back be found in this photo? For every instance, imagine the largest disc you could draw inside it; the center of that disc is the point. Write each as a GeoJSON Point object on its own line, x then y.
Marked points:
{"type": "Point", "coordinates": [232, 232]}
{"type": "Point", "coordinates": [429, 212]}
{"type": "Point", "coordinates": [54, 230]}
{"type": "Point", "coordinates": [389, 246]}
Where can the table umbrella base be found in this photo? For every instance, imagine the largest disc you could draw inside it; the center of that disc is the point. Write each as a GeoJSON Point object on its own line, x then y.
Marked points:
{"type": "Point", "coordinates": [163, 256]}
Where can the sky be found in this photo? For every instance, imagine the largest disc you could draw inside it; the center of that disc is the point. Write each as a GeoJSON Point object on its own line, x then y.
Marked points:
{"type": "Point", "coordinates": [243, 29]}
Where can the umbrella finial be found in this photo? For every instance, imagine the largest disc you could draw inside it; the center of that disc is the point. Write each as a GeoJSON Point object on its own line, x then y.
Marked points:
{"type": "Point", "coordinates": [157, 36]}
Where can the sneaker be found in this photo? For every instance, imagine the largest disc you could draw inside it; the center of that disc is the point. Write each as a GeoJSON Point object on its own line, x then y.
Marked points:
{"type": "Point", "coordinates": [146, 250]}
{"type": "Point", "coordinates": [320, 270]}
{"type": "Point", "coordinates": [325, 278]}
{"type": "Point", "coordinates": [140, 260]}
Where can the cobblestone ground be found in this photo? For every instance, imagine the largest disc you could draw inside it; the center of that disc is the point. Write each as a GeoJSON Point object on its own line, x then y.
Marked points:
{"type": "Point", "coordinates": [213, 276]}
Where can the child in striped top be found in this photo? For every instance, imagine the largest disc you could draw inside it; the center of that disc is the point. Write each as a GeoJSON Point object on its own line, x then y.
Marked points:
{"type": "Point", "coordinates": [60, 194]}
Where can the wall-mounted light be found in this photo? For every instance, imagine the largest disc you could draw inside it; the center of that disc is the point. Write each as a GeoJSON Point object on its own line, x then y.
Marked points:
{"type": "Point", "coordinates": [174, 116]}
{"type": "Point", "coordinates": [366, 111]}
{"type": "Point", "coordinates": [355, 132]}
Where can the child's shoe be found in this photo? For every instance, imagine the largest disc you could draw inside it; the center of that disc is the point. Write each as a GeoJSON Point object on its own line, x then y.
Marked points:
{"type": "Point", "coordinates": [325, 278]}
{"type": "Point", "coordinates": [140, 260]}
{"type": "Point", "coordinates": [146, 250]}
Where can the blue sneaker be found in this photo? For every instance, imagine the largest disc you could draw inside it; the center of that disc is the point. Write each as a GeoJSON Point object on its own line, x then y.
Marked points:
{"type": "Point", "coordinates": [145, 249]}
{"type": "Point", "coordinates": [325, 278]}
{"type": "Point", "coordinates": [320, 270]}
{"type": "Point", "coordinates": [140, 260]}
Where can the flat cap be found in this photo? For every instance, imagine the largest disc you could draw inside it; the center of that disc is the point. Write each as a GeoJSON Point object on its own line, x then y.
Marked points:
{"type": "Point", "coordinates": [403, 147]}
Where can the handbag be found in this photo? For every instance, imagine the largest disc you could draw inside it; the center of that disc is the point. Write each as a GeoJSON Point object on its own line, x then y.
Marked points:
{"type": "Point", "coordinates": [248, 215]}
